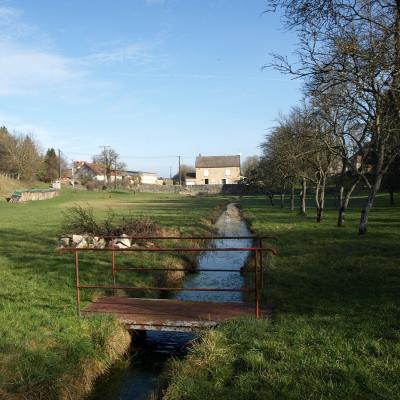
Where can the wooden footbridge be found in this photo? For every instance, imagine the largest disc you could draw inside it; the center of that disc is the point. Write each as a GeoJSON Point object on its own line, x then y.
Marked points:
{"type": "Point", "coordinates": [168, 314]}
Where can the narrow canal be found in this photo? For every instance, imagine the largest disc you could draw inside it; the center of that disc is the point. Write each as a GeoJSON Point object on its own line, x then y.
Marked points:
{"type": "Point", "coordinates": [137, 378]}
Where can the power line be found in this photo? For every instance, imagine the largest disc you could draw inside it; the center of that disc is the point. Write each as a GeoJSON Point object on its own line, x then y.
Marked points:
{"type": "Point", "coordinates": [149, 157]}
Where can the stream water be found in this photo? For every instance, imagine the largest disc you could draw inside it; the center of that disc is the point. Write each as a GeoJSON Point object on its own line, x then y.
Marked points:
{"type": "Point", "coordinates": [137, 378]}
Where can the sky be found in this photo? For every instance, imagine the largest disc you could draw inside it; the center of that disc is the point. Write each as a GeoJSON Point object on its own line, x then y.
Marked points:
{"type": "Point", "coordinates": [153, 79]}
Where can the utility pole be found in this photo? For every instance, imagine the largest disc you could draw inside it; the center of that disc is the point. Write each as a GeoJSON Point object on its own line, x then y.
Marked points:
{"type": "Point", "coordinates": [59, 164]}
{"type": "Point", "coordinates": [72, 173]}
{"type": "Point", "coordinates": [179, 170]}
{"type": "Point", "coordinates": [115, 173]}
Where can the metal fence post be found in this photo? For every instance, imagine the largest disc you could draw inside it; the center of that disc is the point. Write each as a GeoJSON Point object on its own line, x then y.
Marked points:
{"type": "Point", "coordinates": [78, 294]}
{"type": "Point", "coordinates": [261, 263]}
{"type": "Point", "coordinates": [113, 264]}
{"type": "Point", "coordinates": [256, 284]}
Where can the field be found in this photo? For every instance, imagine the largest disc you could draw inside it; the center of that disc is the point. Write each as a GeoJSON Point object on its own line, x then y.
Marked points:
{"type": "Point", "coordinates": [335, 330]}
{"type": "Point", "coordinates": [47, 352]}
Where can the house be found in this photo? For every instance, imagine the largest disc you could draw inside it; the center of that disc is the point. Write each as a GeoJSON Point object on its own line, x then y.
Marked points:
{"type": "Point", "coordinates": [88, 171]}
{"type": "Point", "coordinates": [364, 159]}
{"type": "Point", "coordinates": [146, 178]}
{"type": "Point", "coordinates": [92, 171]}
{"type": "Point", "coordinates": [214, 170]}
{"type": "Point", "coordinates": [190, 179]}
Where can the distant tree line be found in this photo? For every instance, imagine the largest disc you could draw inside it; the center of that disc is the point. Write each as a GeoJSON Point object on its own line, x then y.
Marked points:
{"type": "Point", "coordinates": [22, 159]}
{"type": "Point", "coordinates": [348, 125]}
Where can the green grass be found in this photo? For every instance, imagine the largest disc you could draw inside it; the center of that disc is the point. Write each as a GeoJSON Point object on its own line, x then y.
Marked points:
{"type": "Point", "coordinates": [335, 329]}
{"type": "Point", "coordinates": [46, 351]}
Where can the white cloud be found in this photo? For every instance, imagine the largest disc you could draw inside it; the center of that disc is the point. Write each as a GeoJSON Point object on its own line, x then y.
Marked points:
{"type": "Point", "coordinates": [29, 65]}
{"type": "Point", "coordinates": [7, 13]}
{"type": "Point", "coordinates": [25, 70]}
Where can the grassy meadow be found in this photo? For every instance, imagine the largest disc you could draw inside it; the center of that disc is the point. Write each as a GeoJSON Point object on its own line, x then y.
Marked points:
{"type": "Point", "coordinates": [335, 328]}
{"type": "Point", "coordinates": [46, 351]}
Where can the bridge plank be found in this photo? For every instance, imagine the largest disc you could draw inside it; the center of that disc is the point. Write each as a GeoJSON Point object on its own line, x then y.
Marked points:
{"type": "Point", "coordinates": [163, 314]}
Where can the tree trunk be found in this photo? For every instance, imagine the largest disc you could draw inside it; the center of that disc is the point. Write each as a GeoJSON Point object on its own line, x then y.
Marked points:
{"type": "Point", "coordinates": [317, 189]}
{"type": "Point", "coordinates": [363, 226]}
{"type": "Point", "coordinates": [270, 195]}
{"type": "Point", "coordinates": [344, 202]}
{"type": "Point", "coordinates": [373, 190]}
{"type": "Point", "coordinates": [341, 216]}
{"type": "Point", "coordinates": [303, 197]}
{"type": "Point", "coordinates": [321, 200]}
{"type": "Point", "coordinates": [282, 200]}
{"type": "Point", "coordinates": [292, 199]}
{"type": "Point", "coordinates": [391, 193]}
{"type": "Point", "coordinates": [396, 70]}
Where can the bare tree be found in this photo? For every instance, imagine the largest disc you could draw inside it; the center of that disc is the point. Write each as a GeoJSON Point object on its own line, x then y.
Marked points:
{"type": "Point", "coordinates": [24, 157]}
{"type": "Point", "coordinates": [184, 170]}
{"type": "Point", "coordinates": [250, 166]}
{"type": "Point", "coordinates": [7, 143]}
{"type": "Point", "coordinates": [354, 44]}
{"type": "Point", "coordinates": [282, 158]}
{"type": "Point", "coordinates": [108, 159]}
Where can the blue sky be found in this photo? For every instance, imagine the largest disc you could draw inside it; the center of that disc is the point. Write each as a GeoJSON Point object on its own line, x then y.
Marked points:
{"type": "Point", "coordinates": [152, 78]}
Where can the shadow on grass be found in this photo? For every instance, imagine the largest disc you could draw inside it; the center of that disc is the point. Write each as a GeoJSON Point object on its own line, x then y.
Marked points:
{"type": "Point", "coordinates": [326, 271]}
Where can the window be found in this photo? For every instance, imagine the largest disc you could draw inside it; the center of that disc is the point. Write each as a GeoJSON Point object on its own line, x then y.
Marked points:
{"type": "Point", "coordinates": [227, 172]}
{"type": "Point", "coordinates": [206, 181]}
{"type": "Point", "coordinates": [206, 172]}
{"type": "Point", "coordinates": [223, 181]}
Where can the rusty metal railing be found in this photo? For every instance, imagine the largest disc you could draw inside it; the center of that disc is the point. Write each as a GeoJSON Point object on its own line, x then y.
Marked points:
{"type": "Point", "coordinates": [257, 251]}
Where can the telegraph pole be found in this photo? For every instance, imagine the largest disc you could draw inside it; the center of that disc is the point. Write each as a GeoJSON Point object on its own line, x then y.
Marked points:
{"type": "Point", "coordinates": [115, 173]}
{"type": "Point", "coordinates": [73, 173]}
{"type": "Point", "coordinates": [59, 164]}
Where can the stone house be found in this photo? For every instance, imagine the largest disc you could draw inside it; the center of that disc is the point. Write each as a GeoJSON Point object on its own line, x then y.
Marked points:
{"type": "Point", "coordinates": [217, 170]}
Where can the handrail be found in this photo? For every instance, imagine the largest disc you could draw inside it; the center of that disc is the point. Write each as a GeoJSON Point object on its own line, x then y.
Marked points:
{"type": "Point", "coordinates": [167, 249]}
{"type": "Point", "coordinates": [185, 237]}
{"type": "Point", "coordinates": [189, 237]}
{"type": "Point", "coordinates": [256, 251]}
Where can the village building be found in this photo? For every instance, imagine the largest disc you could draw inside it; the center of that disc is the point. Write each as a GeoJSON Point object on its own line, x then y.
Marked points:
{"type": "Point", "coordinates": [84, 171]}
{"type": "Point", "coordinates": [217, 170]}
{"type": "Point", "coordinates": [145, 178]}
{"type": "Point", "coordinates": [91, 171]}
{"type": "Point", "coordinates": [190, 179]}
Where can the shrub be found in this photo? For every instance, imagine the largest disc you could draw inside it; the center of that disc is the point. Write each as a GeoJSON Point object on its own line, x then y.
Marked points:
{"type": "Point", "coordinates": [80, 220]}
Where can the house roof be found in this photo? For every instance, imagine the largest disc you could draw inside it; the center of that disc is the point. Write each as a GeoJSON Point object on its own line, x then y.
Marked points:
{"type": "Point", "coordinates": [217, 161]}
{"type": "Point", "coordinates": [95, 168]}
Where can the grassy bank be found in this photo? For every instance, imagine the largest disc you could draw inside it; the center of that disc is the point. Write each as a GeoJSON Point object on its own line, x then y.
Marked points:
{"type": "Point", "coordinates": [335, 330]}
{"type": "Point", "coordinates": [46, 352]}
{"type": "Point", "coordinates": [8, 186]}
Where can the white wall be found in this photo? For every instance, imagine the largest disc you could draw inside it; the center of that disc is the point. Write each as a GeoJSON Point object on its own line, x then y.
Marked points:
{"type": "Point", "coordinates": [149, 179]}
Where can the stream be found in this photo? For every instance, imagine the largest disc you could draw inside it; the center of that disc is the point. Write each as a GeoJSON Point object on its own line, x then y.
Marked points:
{"type": "Point", "coordinates": [137, 378]}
